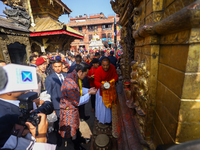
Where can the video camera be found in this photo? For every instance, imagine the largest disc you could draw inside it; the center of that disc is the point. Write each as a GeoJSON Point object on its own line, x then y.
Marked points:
{"type": "Point", "coordinates": [26, 107]}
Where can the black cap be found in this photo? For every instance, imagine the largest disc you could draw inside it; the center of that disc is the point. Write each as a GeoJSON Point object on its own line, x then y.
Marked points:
{"type": "Point", "coordinates": [102, 52]}
{"type": "Point", "coordinates": [96, 54]}
{"type": "Point", "coordinates": [111, 52]}
{"type": "Point", "coordinates": [95, 60]}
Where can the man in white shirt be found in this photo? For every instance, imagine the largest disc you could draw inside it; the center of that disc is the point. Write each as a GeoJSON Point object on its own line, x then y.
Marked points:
{"type": "Point", "coordinates": [53, 85]}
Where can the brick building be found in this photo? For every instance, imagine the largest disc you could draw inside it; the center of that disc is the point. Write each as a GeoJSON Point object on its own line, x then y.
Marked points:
{"type": "Point", "coordinates": [87, 25]}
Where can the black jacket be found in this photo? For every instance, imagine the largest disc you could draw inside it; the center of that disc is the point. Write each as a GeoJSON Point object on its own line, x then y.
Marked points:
{"type": "Point", "coordinates": [113, 60]}
{"type": "Point", "coordinates": [9, 114]}
{"type": "Point", "coordinates": [53, 88]}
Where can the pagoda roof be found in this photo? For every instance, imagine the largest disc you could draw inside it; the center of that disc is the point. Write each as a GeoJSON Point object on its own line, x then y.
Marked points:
{"type": "Point", "coordinates": [91, 22]}
{"type": "Point", "coordinates": [8, 24]}
{"type": "Point", "coordinates": [50, 26]}
{"type": "Point", "coordinates": [64, 6]}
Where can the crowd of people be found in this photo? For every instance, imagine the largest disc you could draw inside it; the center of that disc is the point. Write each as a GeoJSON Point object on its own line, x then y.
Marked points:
{"type": "Point", "coordinates": [72, 80]}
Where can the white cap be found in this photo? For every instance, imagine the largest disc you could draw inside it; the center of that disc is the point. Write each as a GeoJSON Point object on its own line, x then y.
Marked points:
{"type": "Point", "coordinates": [20, 78]}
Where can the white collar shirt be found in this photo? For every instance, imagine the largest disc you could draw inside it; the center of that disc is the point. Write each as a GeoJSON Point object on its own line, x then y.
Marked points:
{"type": "Point", "coordinates": [14, 102]}
{"type": "Point", "coordinates": [60, 76]}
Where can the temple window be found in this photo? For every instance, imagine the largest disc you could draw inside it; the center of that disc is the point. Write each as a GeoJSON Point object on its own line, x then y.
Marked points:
{"type": "Point", "coordinates": [80, 29]}
{"type": "Point", "coordinates": [103, 35]}
{"type": "Point", "coordinates": [90, 37]}
{"type": "Point", "coordinates": [107, 27]}
{"type": "Point", "coordinates": [109, 35]}
{"type": "Point", "coordinates": [91, 28]}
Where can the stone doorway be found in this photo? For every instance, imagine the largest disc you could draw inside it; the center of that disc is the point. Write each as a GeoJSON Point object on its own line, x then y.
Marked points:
{"type": "Point", "coordinates": [17, 53]}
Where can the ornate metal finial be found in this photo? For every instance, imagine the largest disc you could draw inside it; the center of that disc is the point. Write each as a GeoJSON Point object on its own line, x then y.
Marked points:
{"type": "Point", "coordinates": [95, 31]}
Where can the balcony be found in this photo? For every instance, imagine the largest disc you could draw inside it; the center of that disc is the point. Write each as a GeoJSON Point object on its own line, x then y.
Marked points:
{"type": "Point", "coordinates": [91, 30]}
{"type": "Point", "coordinates": [106, 29]}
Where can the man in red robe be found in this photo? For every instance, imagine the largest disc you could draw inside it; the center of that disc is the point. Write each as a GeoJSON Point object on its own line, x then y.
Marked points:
{"type": "Point", "coordinates": [105, 73]}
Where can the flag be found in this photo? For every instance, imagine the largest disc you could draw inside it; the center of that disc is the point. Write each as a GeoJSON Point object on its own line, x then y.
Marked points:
{"type": "Point", "coordinates": [117, 28]}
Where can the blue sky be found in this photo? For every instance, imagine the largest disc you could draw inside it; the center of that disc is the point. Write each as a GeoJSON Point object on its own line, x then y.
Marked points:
{"type": "Point", "coordinates": [81, 7]}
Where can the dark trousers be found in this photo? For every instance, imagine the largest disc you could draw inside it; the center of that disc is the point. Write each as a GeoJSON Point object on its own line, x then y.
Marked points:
{"type": "Point", "coordinates": [54, 137]}
{"type": "Point", "coordinates": [73, 143]}
{"type": "Point", "coordinates": [93, 98]}
{"type": "Point", "coordinates": [81, 111]}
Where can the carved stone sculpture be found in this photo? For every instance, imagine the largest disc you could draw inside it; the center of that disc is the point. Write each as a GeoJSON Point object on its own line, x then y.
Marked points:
{"type": "Point", "coordinates": [122, 64]}
{"type": "Point", "coordinates": [142, 92]}
{"type": "Point", "coordinates": [19, 16]}
{"type": "Point", "coordinates": [115, 7]}
{"type": "Point", "coordinates": [133, 85]}
{"type": "Point", "coordinates": [136, 19]}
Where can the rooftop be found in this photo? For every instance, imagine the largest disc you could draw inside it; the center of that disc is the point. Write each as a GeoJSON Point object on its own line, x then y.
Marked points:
{"type": "Point", "coordinates": [8, 24]}
{"type": "Point", "coordinates": [48, 24]}
{"type": "Point", "coordinates": [91, 22]}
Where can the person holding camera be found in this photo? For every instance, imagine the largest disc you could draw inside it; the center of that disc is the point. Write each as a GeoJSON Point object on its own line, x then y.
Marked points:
{"type": "Point", "coordinates": [10, 112]}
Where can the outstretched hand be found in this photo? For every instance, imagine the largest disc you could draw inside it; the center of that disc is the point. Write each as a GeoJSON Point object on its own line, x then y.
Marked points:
{"type": "Point", "coordinates": [92, 91]}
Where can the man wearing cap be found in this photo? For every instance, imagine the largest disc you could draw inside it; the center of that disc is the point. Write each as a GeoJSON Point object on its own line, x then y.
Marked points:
{"type": "Point", "coordinates": [102, 56]}
{"type": "Point", "coordinates": [113, 59]}
{"type": "Point", "coordinates": [97, 55]}
{"type": "Point", "coordinates": [91, 52]}
{"type": "Point", "coordinates": [41, 67]}
{"type": "Point", "coordinates": [9, 110]}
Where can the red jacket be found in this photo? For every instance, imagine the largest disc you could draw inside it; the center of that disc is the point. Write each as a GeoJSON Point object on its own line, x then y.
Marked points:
{"type": "Point", "coordinates": [101, 75]}
{"type": "Point", "coordinates": [91, 80]}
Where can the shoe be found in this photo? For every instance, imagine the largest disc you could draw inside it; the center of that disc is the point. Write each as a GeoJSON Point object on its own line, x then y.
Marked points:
{"type": "Point", "coordinates": [87, 140]}
{"type": "Point", "coordinates": [81, 148]}
{"type": "Point", "coordinates": [85, 118]}
{"type": "Point", "coordinates": [109, 124]}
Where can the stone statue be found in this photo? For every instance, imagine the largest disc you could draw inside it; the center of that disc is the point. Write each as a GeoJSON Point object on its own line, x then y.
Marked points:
{"type": "Point", "coordinates": [138, 87]}
{"type": "Point", "coordinates": [133, 85]}
{"type": "Point", "coordinates": [114, 6]}
{"type": "Point", "coordinates": [18, 13]}
{"type": "Point", "coordinates": [142, 82]}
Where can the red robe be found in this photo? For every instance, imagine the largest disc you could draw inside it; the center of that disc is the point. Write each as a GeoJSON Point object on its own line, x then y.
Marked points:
{"type": "Point", "coordinates": [118, 54]}
{"type": "Point", "coordinates": [88, 62]}
{"type": "Point", "coordinates": [91, 72]}
{"type": "Point", "coordinates": [101, 75]}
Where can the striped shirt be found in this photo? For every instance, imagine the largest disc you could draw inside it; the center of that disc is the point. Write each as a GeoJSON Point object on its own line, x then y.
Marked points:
{"type": "Point", "coordinates": [69, 115]}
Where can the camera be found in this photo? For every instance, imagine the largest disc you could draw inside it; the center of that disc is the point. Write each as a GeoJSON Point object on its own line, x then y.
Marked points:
{"type": "Point", "coordinates": [26, 107]}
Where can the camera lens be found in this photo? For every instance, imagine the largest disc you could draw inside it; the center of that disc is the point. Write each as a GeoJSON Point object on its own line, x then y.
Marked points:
{"type": "Point", "coordinates": [46, 108]}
